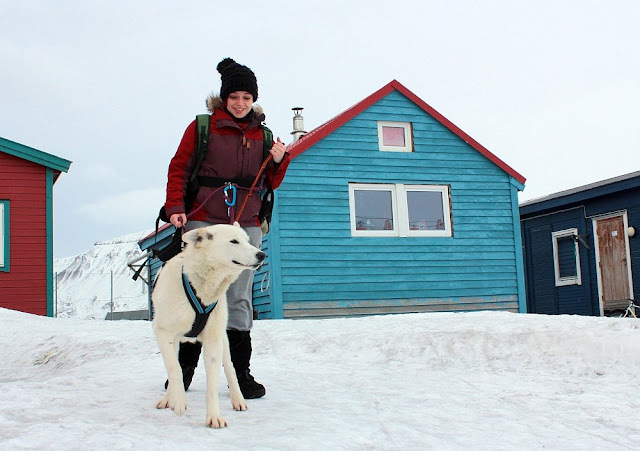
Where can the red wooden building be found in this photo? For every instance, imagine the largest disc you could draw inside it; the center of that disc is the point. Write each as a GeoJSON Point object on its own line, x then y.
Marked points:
{"type": "Point", "coordinates": [27, 176]}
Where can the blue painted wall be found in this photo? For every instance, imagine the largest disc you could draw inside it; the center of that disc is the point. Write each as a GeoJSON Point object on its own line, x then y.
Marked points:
{"type": "Point", "coordinates": [542, 294]}
{"type": "Point", "coordinates": [316, 268]}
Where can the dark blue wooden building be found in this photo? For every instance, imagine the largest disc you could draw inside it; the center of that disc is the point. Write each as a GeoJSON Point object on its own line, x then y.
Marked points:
{"type": "Point", "coordinates": [581, 248]}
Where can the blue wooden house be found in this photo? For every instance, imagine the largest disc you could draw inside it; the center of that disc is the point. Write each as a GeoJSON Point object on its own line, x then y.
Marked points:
{"type": "Point", "coordinates": [391, 208]}
{"type": "Point", "coordinates": [581, 248]}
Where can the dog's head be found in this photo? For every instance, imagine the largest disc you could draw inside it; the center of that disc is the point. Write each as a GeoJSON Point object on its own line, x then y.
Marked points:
{"type": "Point", "coordinates": [223, 245]}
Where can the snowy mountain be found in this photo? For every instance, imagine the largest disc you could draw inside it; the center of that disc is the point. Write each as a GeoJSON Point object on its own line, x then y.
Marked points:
{"type": "Point", "coordinates": [83, 285]}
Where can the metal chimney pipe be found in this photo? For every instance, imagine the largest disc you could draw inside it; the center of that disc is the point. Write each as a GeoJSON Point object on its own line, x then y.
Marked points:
{"type": "Point", "coordinates": [298, 124]}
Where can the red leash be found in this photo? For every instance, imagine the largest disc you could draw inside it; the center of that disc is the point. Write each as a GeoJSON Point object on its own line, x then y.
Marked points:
{"type": "Point", "coordinates": [244, 203]}
{"type": "Point", "coordinates": [253, 186]}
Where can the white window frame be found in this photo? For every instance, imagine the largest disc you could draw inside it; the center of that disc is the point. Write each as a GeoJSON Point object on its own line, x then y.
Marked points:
{"type": "Point", "coordinates": [400, 210]}
{"type": "Point", "coordinates": [408, 136]}
{"type": "Point", "coordinates": [403, 205]}
{"type": "Point", "coordinates": [353, 187]}
{"type": "Point", "coordinates": [564, 281]}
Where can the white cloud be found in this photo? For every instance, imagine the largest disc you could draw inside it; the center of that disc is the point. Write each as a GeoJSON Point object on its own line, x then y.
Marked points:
{"type": "Point", "coordinates": [98, 172]}
{"type": "Point", "coordinates": [137, 209]}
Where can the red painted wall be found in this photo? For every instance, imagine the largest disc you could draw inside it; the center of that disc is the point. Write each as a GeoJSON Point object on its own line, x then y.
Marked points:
{"type": "Point", "coordinates": [24, 287]}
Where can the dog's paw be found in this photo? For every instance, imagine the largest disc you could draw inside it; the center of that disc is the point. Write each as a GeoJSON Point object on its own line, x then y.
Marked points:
{"type": "Point", "coordinates": [216, 422]}
{"type": "Point", "coordinates": [179, 406]}
{"type": "Point", "coordinates": [163, 403]}
{"type": "Point", "coordinates": [238, 403]}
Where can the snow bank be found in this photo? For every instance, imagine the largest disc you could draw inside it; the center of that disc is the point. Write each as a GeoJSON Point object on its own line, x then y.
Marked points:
{"type": "Point", "coordinates": [420, 381]}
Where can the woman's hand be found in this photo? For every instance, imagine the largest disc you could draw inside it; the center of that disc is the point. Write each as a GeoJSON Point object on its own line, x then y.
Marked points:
{"type": "Point", "coordinates": [278, 150]}
{"type": "Point", "coordinates": [178, 219]}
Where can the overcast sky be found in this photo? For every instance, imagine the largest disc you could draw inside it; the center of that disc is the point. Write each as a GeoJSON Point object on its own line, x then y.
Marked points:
{"type": "Point", "coordinates": [550, 87]}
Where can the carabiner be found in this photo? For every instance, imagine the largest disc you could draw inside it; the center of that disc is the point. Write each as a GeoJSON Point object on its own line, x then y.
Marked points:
{"type": "Point", "coordinates": [232, 202]}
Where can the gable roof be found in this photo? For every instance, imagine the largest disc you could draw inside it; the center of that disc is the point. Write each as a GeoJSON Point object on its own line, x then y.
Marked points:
{"type": "Point", "coordinates": [582, 193]}
{"type": "Point", "coordinates": [330, 126]}
{"type": "Point", "coordinates": [34, 155]}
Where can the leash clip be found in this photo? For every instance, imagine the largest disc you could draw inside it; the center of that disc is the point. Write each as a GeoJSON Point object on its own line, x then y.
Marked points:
{"type": "Point", "coordinates": [230, 201]}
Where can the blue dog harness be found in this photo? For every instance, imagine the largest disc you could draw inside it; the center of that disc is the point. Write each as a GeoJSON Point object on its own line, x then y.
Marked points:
{"type": "Point", "coordinates": [202, 312]}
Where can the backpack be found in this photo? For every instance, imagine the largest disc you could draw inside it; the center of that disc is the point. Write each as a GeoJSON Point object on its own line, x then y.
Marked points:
{"type": "Point", "coordinates": [202, 129]}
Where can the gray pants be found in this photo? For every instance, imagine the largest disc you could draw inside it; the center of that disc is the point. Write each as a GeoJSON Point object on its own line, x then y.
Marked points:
{"type": "Point", "coordinates": [240, 293]}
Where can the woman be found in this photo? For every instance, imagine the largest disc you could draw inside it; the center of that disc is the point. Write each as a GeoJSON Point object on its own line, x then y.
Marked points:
{"type": "Point", "coordinates": [234, 155]}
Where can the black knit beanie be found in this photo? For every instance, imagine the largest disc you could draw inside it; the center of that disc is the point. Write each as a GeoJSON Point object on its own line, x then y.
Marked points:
{"type": "Point", "coordinates": [236, 77]}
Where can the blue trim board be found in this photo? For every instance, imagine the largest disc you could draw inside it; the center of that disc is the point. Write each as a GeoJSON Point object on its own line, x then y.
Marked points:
{"type": "Point", "coordinates": [276, 263]}
{"type": "Point", "coordinates": [517, 239]}
{"type": "Point", "coordinates": [49, 239]}
{"type": "Point", "coordinates": [517, 184]}
{"type": "Point", "coordinates": [7, 240]}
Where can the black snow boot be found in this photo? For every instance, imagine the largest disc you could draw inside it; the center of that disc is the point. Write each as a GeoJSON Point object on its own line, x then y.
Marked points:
{"type": "Point", "coordinates": [240, 347]}
{"type": "Point", "coordinates": [188, 358]}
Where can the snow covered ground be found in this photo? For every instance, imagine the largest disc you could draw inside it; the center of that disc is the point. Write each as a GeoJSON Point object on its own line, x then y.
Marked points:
{"type": "Point", "coordinates": [421, 381]}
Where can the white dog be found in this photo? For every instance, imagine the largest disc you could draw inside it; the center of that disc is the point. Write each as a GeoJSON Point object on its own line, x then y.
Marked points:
{"type": "Point", "coordinates": [212, 260]}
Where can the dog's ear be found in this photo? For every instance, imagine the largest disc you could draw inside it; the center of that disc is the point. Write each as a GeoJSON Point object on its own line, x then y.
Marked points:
{"type": "Point", "coordinates": [236, 224]}
{"type": "Point", "coordinates": [197, 236]}
{"type": "Point", "coordinates": [191, 236]}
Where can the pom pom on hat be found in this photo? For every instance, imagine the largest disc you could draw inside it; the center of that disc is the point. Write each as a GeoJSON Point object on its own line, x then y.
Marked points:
{"type": "Point", "coordinates": [236, 77]}
{"type": "Point", "coordinates": [224, 64]}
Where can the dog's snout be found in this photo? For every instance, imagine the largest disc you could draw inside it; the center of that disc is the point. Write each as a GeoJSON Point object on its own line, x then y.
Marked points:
{"type": "Point", "coordinates": [260, 256]}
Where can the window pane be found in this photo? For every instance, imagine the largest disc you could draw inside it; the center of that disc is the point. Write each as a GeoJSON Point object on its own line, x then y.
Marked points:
{"type": "Point", "coordinates": [393, 136]}
{"type": "Point", "coordinates": [373, 210]}
{"type": "Point", "coordinates": [425, 210]}
{"type": "Point", "coordinates": [567, 257]}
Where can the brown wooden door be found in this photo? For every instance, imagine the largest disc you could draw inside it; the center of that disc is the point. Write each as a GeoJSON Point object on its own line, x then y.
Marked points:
{"type": "Point", "coordinates": [612, 249]}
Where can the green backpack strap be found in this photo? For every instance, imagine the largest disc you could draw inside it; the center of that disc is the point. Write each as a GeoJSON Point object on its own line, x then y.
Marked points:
{"type": "Point", "coordinates": [267, 199]}
{"type": "Point", "coordinates": [267, 136]}
{"type": "Point", "coordinates": [202, 130]}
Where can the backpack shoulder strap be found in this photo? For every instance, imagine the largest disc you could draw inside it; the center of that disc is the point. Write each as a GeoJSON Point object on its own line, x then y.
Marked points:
{"type": "Point", "coordinates": [267, 136]}
{"type": "Point", "coordinates": [202, 130]}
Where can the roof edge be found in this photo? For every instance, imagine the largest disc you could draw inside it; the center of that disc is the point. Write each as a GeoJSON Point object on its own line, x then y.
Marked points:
{"type": "Point", "coordinates": [338, 121]}
{"type": "Point", "coordinates": [34, 155]}
{"type": "Point", "coordinates": [579, 193]}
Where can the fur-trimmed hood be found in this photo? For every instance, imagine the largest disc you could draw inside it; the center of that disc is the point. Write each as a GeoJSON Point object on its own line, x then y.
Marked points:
{"type": "Point", "coordinates": [215, 101]}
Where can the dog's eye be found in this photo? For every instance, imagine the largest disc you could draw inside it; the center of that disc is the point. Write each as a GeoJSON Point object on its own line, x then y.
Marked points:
{"type": "Point", "coordinates": [234, 242]}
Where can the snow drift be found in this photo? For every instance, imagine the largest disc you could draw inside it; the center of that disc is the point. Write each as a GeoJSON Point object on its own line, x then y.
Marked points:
{"type": "Point", "coordinates": [443, 380]}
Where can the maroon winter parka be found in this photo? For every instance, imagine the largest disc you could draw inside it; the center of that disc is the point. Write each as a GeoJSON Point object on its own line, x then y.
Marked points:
{"type": "Point", "coordinates": [235, 154]}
